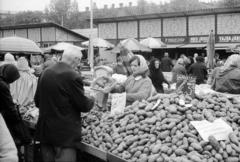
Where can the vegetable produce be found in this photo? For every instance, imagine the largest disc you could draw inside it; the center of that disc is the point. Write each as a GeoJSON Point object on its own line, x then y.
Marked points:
{"type": "Point", "coordinates": [165, 134]}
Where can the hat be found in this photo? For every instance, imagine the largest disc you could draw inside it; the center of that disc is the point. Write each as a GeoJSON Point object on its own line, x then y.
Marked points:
{"type": "Point", "coordinates": [22, 64]}
{"type": "Point", "coordinates": [9, 73]}
{"type": "Point", "coordinates": [9, 59]}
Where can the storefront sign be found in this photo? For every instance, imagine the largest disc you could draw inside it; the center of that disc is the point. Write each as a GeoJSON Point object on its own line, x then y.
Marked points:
{"type": "Point", "coordinates": [202, 39]}
{"type": "Point", "coordinates": [172, 40]}
{"type": "Point", "coordinates": [229, 38]}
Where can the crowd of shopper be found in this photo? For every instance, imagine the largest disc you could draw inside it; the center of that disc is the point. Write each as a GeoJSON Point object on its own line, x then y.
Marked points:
{"type": "Point", "coordinates": [57, 90]}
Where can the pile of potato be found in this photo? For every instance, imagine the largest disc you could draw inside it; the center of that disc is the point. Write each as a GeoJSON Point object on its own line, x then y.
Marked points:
{"type": "Point", "coordinates": [163, 133]}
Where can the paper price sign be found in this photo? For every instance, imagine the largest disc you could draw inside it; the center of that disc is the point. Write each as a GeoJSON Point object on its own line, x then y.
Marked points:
{"type": "Point", "coordinates": [219, 129]}
{"type": "Point", "coordinates": [118, 103]}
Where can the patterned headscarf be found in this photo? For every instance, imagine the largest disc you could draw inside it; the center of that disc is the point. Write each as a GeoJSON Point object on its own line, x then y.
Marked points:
{"type": "Point", "coordinates": [22, 64]}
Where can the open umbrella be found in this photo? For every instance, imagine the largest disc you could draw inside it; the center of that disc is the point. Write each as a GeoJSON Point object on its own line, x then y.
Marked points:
{"type": "Point", "coordinates": [18, 44]}
{"type": "Point", "coordinates": [133, 45]}
{"type": "Point", "coordinates": [152, 43]}
{"type": "Point", "coordinates": [99, 42]}
{"type": "Point", "coordinates": [210, 50]}
{"type": "Point", "coordinates": [62, 46]}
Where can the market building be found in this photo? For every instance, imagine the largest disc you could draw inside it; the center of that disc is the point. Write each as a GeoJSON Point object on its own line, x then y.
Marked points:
{"type": "Point", "coordinates": [183, 32]}
{"type": "Point", "coordinates": [44, 34]}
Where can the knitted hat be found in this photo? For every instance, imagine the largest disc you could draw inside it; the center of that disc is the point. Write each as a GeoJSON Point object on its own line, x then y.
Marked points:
{"type": "Point", "coordinates": [22, 64]}
{"type": "Point", "coordinates": [9, 59]}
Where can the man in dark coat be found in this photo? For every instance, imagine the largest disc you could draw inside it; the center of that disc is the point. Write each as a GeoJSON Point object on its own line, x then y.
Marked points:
{"type": "Point", "coordinates": [199, 70]}
{"type": "Point", "coordinates": [60, 98]}
{"type": "Point", "coordinates": [166, 63]}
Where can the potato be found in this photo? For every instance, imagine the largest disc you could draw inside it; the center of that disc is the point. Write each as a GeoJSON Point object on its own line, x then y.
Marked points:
{"type": "Point", "coordinates": [233, 138]}
{"type": "Point", "coordinates": [153, 158]}
{"type": "Point", "coordinates": [214, 143]}
{"type": "Point", "coordinates": [180, 152]}
{"type": "Point", "coordinates": [156, 148]}
{"type": "Point", "coordinates": [232, 159]}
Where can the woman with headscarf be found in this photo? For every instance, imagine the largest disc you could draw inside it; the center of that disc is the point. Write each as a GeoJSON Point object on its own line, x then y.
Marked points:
{"type": "Point", "coordinates": [157, 76]}
{"type": "Point", "coordinates": [8, 74]}
{"type": "Point", "coordinates": [138, 87]}
{"type": "Point", "coordinates": [126, 56]}
{"type": "Point", "coordinates": [23, 90]}
{"type": "Point", "coordinates": [178, 69]}
{"type": "Point", "coordinates": [227, 77]}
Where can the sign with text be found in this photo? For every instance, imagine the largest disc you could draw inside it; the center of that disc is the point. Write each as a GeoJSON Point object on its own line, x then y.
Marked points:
{"type": "Point", "coordinates": [200, 39]}
{"type": "Point", "coordinates": [172, 40]}
{"type": "Point", "coordinates": [186, 84]}
{"type": "Point", "coordinates": [229, 38]}
{"type": "Point", "coordinates": [219, 129]}
{"type": "Point", "coordinates": [118, 103]}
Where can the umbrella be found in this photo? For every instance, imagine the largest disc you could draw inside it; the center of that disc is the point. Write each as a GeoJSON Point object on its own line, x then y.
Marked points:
{"type": "Point", "coordinates": [210, 50]}
{"type": "Point", "coordinates": [99, 42]}
{"type": "Point", "coordinates": [19, 44]}
{"type": "Point", "coordinates": [116, 49]}
{"type": "Point", "coordinates": [152, 43]}
{"type": "Point", "coordinates": [62, 46]}
{"type": "Point", "coordinates": [133, 45]}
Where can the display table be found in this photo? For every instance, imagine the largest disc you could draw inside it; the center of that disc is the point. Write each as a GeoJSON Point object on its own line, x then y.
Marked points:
{"type": "Point", "coordinates": [98, 154]}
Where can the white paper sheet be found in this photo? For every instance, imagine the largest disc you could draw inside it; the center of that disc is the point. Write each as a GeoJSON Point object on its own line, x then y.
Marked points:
{"type": "Point", "coordinates": [219, 129]}
{"type": "Point", "coordinates": [118, 103]}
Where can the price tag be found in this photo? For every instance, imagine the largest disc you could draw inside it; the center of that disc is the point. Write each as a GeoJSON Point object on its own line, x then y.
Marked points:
{"type": "Point", "coordinates": [118, 103]}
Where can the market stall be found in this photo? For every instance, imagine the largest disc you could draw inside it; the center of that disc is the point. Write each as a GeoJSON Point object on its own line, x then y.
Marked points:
{"type": "Point", "coordinates": [162, 129]}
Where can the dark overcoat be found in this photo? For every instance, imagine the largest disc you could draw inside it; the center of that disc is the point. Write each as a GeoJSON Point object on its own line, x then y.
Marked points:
{"type": "Point", "coordinates": [60, 98]}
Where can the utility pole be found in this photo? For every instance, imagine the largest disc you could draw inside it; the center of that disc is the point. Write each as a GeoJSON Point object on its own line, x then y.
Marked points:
{"type": "Point", "coordinates": [90, 48]}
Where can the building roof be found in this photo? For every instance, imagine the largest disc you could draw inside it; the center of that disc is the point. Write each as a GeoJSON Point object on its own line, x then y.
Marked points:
{"type": "Point", "coordinates": [38, 25]}
{"type": "Point", "coordinates": [87, 32]}
{"type": "Point", "coordinates": [137, 16]}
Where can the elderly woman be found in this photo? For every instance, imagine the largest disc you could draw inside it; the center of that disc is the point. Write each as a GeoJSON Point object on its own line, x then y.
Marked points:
{"type": "Point", "coordinates": [178, 69]}
{"type": "Point", "coordinates": [157, 76]}
{"type": "Point", "coordinates": [138, 87]}
{"type": "Point", "coordinates": [227, 77]}
{"type": "Point", "coordinates": [23, 90]}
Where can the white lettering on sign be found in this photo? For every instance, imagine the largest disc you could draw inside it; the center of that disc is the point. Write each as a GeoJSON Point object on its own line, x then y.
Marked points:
{"type": "Point", "coordinates": [198, 39]}
{"type": "Point", "coordinates": [229, 38]}
{"type": "Point", "coordinates": [174, 40]}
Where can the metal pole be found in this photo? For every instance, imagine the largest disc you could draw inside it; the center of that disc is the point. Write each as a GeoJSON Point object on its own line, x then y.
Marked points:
{"type": "Point", "coordinates": [90, 38]}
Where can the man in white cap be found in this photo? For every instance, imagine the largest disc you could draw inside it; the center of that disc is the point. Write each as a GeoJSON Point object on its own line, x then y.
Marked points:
{"type": "Point", "coordinates": [60, 98]}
